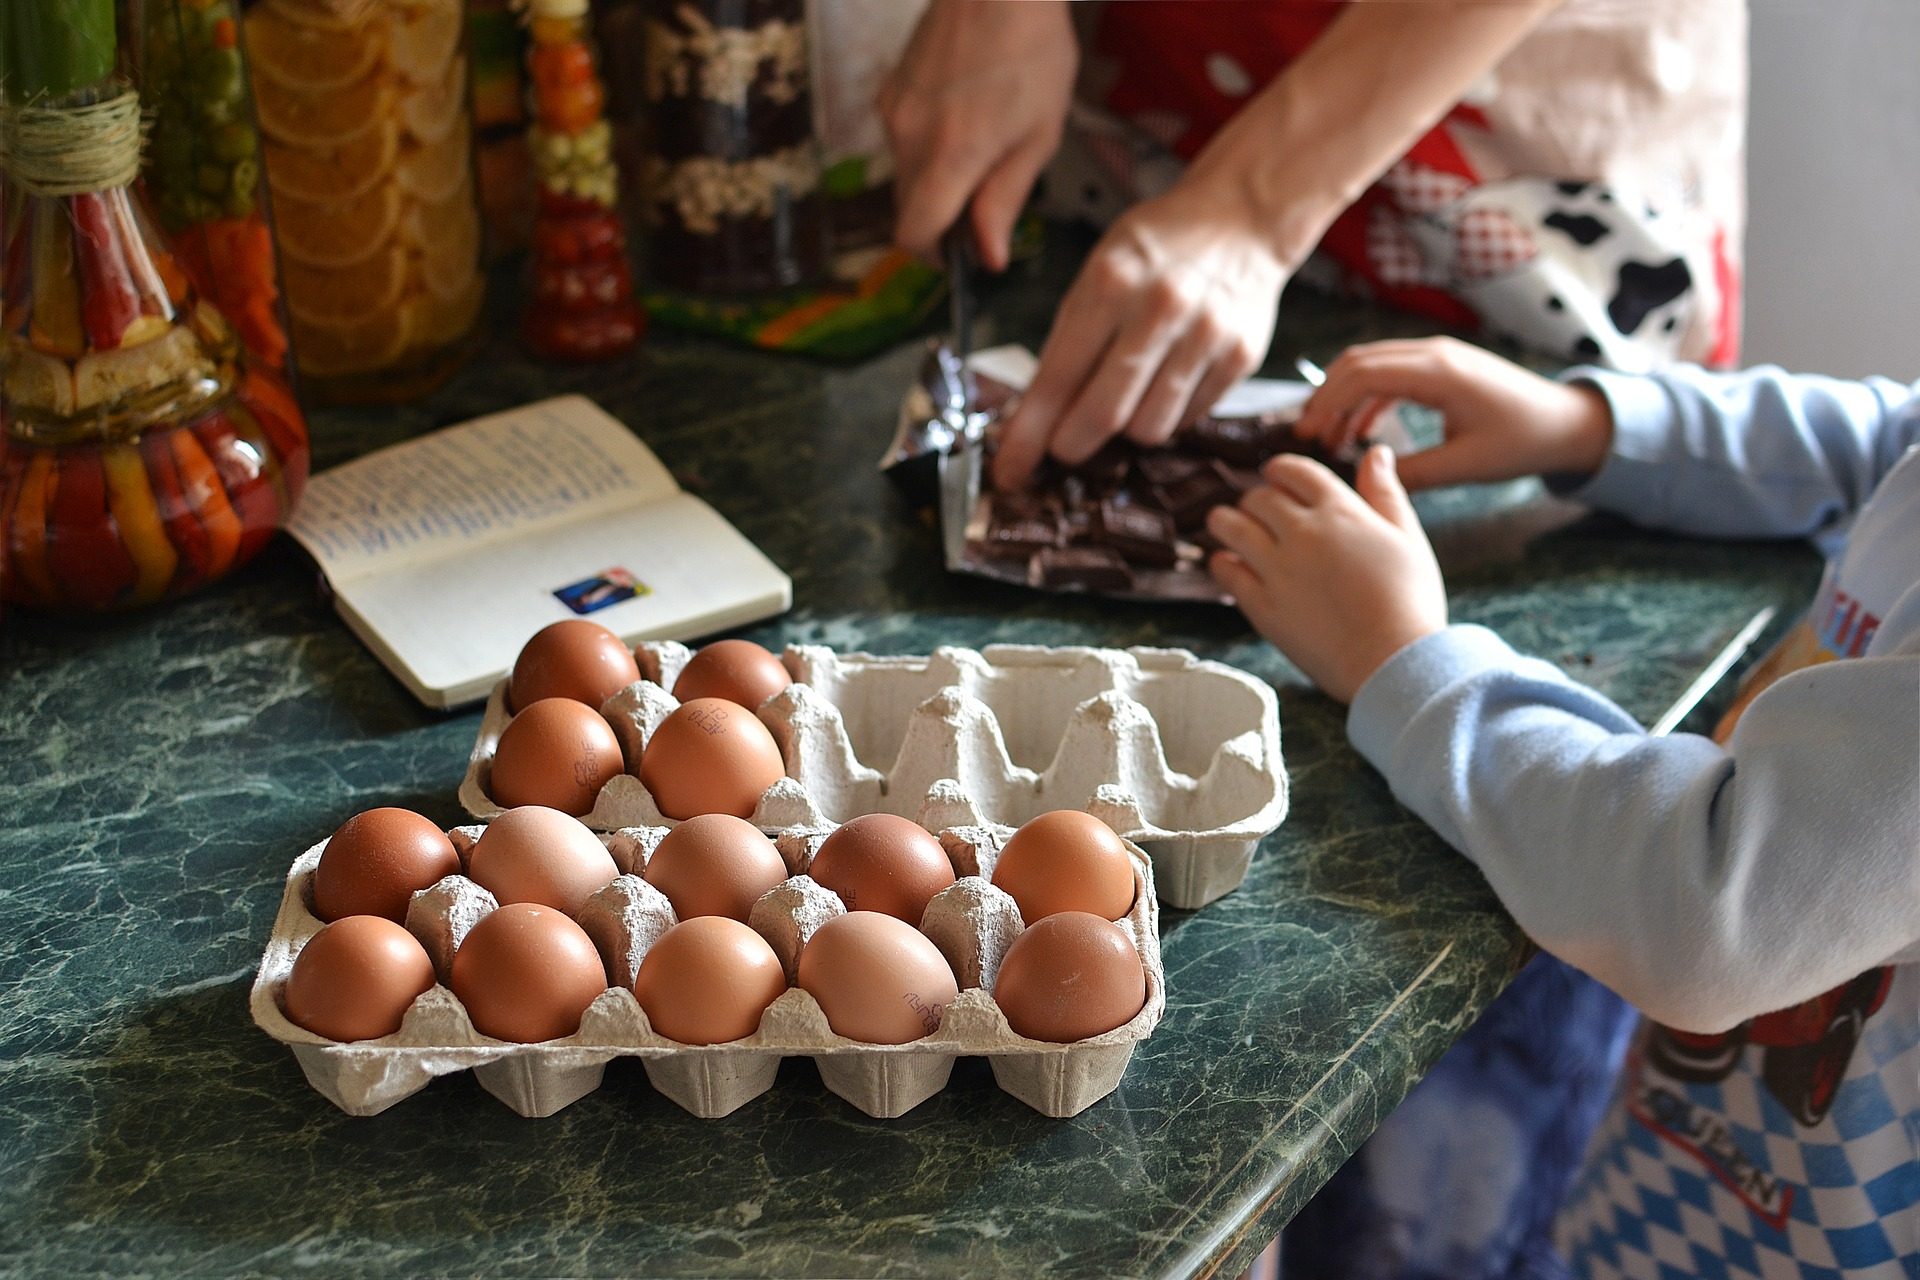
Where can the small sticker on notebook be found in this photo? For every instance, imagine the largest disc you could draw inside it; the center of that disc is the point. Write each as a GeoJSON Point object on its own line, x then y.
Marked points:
{"type": "Point", "coordinates": [608, 587]}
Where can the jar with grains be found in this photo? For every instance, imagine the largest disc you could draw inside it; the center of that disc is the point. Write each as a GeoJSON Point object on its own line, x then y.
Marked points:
{"type": "Point", "coordinates": [150, 443]}
{"type": "Point", "coordinates": [733, 199]}
{"type": "Point", "coordinates": [369, 157]}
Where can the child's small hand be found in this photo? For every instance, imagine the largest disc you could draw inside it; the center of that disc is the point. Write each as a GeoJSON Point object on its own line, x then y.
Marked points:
{"type": "Point", "coordinates": [1502, 421]}
{"type": "Point", "coordinates": [1338, 579]}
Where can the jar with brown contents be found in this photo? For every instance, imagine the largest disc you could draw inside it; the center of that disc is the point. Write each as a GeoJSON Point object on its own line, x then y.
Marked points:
{"type": "Point", "coordinates": [732, 185]}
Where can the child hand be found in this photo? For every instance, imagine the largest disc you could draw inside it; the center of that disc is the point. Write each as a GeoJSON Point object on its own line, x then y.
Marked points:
{"type": "Point", "coordinates": [1338, 579]}
{"type": "Point", "coordinates": [1502, 421]}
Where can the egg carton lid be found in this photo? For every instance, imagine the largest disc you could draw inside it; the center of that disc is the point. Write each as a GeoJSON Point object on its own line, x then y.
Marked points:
{"type": "Point", "coordinates": [1179, 754]}
{"type": "Point", "coordinates": [972, 922]}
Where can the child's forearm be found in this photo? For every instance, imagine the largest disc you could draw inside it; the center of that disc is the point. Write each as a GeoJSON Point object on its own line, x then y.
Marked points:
{"type": "Point", "coordinates": [1704, 885]}
{"type": "Point", "coordinates": [1754, 454]}
{"type": "Point", "coordinates": [1329, 125]}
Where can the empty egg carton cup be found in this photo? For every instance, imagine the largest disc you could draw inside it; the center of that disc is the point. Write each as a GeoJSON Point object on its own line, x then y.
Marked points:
{"type": "Point", "coordinates": [972, 923]}
{"type": "Point", "coordinates": [1178, 754]}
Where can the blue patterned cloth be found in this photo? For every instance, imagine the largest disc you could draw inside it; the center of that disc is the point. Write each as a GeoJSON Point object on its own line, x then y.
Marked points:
{"type": "Point", "coordinates": [1463, 1180]}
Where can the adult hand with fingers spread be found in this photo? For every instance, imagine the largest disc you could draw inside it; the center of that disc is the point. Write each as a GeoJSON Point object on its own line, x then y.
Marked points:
{"type": "Point", "coordinates": [1502, 421]}
{"type": "Point", "coordinates": [1176, 304]}
{"type": "Point", "coordinates": [974, 111]}
{"type": "Point", "coordinates": [1339, 579]}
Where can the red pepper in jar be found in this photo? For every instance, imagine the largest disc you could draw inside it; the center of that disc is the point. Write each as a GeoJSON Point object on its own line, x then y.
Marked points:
{"type": "Point", "coordinates": [84, 551]}
{"type": "Point", "coordinates": [188, 536]}
{"type": "Point", "coordinates": [200, 482]}
{"type": "Point", "coordinates": [266, 397]}
{"type": "Point", "coordinates": [29, 579]}
{"type": "Point", "coordinates": [243, 473]}
{"type": "Point", "coordinates": [109, 304]}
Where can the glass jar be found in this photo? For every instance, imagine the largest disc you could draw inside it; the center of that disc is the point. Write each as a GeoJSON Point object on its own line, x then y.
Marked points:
{"type": "Point", "coordinates": [582, 306]}
{"type": "Point", "coordinates": [733, 200]}
{"type": "Point", "coordinates": [145, 451]}
{"type": "Point", "coordinates": [369, 155]}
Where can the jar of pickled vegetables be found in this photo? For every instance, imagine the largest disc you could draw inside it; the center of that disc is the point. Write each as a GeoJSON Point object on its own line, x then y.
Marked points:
{"type": "Point", "coordinates": [582, 306]}
{"type": "Point", "coordinates": [369, 157]}
{"type": "Point", "coordinates": [733, 199]}
{"type": "Point", "coordinates": [144, 449]}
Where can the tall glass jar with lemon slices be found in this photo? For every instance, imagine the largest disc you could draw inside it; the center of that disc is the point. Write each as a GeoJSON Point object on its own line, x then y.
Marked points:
{"type": "Point", "coordinates": [145, 449]}
{"type": "Point", "coordinates": [369, 157]}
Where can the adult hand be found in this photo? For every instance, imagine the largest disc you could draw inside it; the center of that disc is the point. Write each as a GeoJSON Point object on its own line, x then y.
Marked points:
{"type": "Point", "coordinates": [1338, 579]}
{"type": "Point", "coordinates": [1176, 304]}
{"type": "Point", "coordinates": [1502, 421]}
{"type": "Point", "coordinates": [975, 110]}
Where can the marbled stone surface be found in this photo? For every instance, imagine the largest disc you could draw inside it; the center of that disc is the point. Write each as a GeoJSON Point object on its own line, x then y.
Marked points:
{"type": "Point", "coordinates": [159, 772]}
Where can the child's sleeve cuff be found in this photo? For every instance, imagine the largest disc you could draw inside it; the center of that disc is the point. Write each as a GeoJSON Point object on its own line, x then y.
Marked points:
{"type": "Point", "coordinates": [1642, 412]}
{"type": "Point", "coordinates": [1413, 677]}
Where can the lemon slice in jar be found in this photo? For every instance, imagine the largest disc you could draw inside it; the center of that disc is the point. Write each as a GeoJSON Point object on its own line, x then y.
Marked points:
{"type": "Point", "coordinates": [424, 40]}
{"type": "Point", "coordinates": [439, 320]}
{"type": "Point", "coordinates": [358, 346]}
{"type": "Point", "coordinates": [430, 111]}
{"type": "Point", "coordinates": [331, 174]}
{"type": "Point", "coordinates": [341, 233]}
{"type": "Point", "coordinates": [289, 50]}
{"type": "Point", "coordinates": [346, 295]}
{"type": "Point", "coordinates": [299, 118]}
{"type": "Point", "coordinates": [432, 172]}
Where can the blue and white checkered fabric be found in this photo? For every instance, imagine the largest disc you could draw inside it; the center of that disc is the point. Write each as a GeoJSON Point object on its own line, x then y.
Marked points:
{"type": "Point", "coordinates": [1702, 1181]}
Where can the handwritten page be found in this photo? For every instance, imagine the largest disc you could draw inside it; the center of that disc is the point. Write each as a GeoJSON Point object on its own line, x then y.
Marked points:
{"type": "Point", "coordinates": [491, 478]}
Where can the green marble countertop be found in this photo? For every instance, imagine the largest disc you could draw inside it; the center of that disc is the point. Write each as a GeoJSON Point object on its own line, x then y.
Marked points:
{"type": "Point", "coordinates": [159, 772]}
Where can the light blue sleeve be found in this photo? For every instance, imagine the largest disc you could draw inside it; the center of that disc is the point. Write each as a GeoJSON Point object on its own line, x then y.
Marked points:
{"type": "Point", "coordinates": [1750, 455]}
{"type": "Point", "coordinates": [1705, 885]}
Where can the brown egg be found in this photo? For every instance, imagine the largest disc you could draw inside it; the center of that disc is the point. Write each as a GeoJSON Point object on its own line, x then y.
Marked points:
{"type": "Point", "coordinates": [737, 670]}
{"type": "Point", "coordinates": [356, 978]}
{"type": "Point", "coordinates": [878, 980]}
{"type": "Point", "coordinates": [572, 659]}
{"type": "Point", "coordinates": [1066, 861]}
{"type": "Point", "coordinates": [1070, 976]}
{"type": "Point", "coordinates": [710, 756]}
{"type": "Point", "coordinates": [884, 863]}
{"type": "Point", "coordinates": [527, 973]}
{"type": "Point", "coordinates": [376, 861]}
{"type": "Point", "coordinates": [557, 753]}
{"type": "Point", "coordinates": [715, 865]}
{"type": "Point", "coordinates": [536, 854]}
{"type": "Point", "coordinates": [708, 980]}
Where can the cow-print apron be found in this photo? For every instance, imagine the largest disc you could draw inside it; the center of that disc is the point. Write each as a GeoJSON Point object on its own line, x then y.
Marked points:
{"type": "Point", "coordinates": [1584, 202]}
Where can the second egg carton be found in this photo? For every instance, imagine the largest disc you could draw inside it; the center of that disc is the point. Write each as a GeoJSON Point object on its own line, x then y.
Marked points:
{"type": "Point", "coordinates": [972, 923]}
{"type": "Point", "coordinates": [1178, 754]}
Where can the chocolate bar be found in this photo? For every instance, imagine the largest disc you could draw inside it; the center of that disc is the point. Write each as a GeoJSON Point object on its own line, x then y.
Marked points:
{"type": "Point", "coordinates": [1140, 534]}
{"type": "Point", "coordinates": [1240, 441]}
{"type": "Point", "coordinates": [1019, 526]}
{"type": "Point", "coordinates": [1089, 568]}
{"type": "Point", "coordinates": [1189, 500]}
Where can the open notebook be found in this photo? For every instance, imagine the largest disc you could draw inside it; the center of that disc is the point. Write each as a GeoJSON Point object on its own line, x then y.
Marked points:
{"type": "Point", "coordinates": [445, 553]}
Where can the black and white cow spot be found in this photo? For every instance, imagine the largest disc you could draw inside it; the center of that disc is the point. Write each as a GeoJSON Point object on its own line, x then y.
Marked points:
{"type": "Point", "coordinates": [1582, 228]}
{"type": "Point", "coordinates": [1644, 288]}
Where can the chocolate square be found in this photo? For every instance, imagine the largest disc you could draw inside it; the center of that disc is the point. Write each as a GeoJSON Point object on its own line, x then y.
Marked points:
{"type": "Point", "coordinates": [1159, 468]}
{"type": "Point", "coordinates": [1189, 500]}
{"type": "Point", "coordinates": [1019, 526]}
{"type": "Point", "coordinates": [1240, 441]}
{"type": "Point", "coordinates": [1091, 568]}
{"type": "Point", "coordinates": [1141, 534]}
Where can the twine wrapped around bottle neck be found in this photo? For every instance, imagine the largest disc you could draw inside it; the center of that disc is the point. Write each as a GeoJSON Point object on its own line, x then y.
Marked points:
{"type": "Point", "coordinates": [68, 151]}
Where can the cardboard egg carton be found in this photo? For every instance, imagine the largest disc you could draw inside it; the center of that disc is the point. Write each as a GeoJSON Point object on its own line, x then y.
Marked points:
{"type": "Point", "coordinates": [972, 923]}
{"type": "Point", "coordinates": [1179, 755]}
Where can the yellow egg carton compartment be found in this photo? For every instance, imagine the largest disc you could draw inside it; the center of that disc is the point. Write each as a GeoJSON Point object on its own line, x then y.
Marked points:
{"type": "Point", "coordinates": [971, 922]}
{"type": "Point", "coordinates": [1180, 755]}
